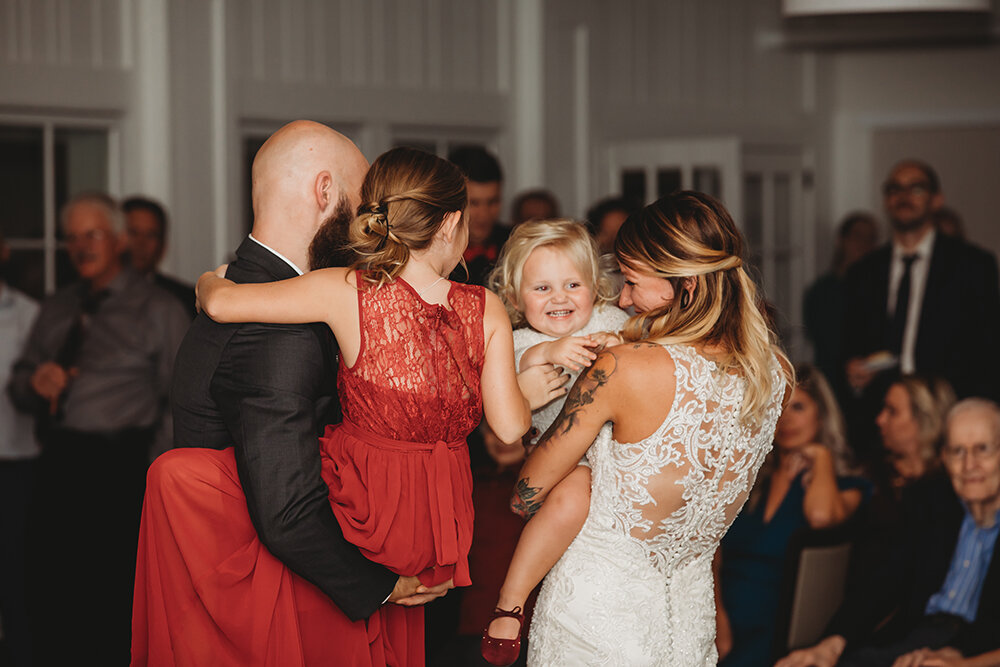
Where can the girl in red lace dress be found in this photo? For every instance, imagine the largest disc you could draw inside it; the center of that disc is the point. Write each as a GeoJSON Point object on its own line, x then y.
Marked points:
{"type": "Point", "coordinates": [422, 359]}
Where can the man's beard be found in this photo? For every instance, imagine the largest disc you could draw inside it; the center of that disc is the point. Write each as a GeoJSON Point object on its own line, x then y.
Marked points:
{"type": "Point", "coordinates": [330, 245]}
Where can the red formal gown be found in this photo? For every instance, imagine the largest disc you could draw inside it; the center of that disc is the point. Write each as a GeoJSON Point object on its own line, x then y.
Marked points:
{"type": "Point", "coordinates": [209, 593]}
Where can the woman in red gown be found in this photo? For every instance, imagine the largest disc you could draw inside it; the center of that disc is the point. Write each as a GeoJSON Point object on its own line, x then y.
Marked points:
{"type": "Point", "coordinates": [422, 359]}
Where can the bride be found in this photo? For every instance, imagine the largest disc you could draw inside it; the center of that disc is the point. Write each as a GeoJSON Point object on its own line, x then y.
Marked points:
{"type": "Point", "coordinates": [692, 397]}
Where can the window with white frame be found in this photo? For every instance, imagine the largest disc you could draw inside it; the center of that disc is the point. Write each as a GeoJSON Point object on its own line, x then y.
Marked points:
{"type": "Point", "coordinates": [42, 165]}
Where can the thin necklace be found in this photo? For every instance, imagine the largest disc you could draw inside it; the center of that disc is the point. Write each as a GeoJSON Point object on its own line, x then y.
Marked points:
{"type": "Point", "coordinates": [420, 293]}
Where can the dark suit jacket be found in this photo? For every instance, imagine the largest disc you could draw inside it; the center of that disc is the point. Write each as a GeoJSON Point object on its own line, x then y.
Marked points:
{"type": "Point", "coordinates": [959, 319]}
{"type": "Point", "coordinates": [913, 569]}
{"type": "Point", "coordinates": [268, 390]}
{"type": "Point", "coordinates": [183, 291]}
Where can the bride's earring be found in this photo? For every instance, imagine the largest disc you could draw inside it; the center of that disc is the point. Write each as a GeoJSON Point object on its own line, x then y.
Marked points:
{"type": "Point", "coordinates": [685, 299]}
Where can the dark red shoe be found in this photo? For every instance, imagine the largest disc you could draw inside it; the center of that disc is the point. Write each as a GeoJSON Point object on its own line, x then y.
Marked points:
{"type": "Point", "coordinates": [502, 652]}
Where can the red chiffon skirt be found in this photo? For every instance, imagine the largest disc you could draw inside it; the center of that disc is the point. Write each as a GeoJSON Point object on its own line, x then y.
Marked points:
{"type": "Point", "coordinates": [208, 592]}
{"type": "Point", "coordinates": [406, 505]}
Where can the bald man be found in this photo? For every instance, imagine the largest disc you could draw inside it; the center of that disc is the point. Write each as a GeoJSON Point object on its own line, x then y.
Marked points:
{"type": "Point", "coordinates": [265, 391]}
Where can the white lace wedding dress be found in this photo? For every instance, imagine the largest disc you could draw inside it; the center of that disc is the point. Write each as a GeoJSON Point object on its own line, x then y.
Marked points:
{"type": "Point", "coordinates": [635, 586]}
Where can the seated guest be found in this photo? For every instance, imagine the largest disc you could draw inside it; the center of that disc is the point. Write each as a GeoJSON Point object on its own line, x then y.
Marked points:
{"type": "Point", "coordinates": [537, 204]}
{"type": "Point", "coordinates": [804, 483]}
{"type": "Point", "coordinates": [939, 588]}
{"type": "Point", "coordinates": [911, 424]}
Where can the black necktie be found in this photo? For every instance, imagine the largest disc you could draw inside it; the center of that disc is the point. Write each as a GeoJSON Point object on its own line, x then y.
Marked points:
{"type": "Point", "coordinates": [898, 324]}
{"type": "Point", "coordinates": [70, 349]}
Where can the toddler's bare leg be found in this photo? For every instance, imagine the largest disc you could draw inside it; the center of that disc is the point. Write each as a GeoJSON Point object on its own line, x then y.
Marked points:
{"type": "Point", "coordinates": [543, 542]}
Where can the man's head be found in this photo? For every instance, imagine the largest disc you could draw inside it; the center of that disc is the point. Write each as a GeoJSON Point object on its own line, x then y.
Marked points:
{"type": "Point", "coordinates": [911, 195]}
{"type": "Point", "coordinates": [605, 219]}
{"type": "Point", "coordinates": [972, 451]}
{"type": "Point", "coordinates": [305, 175]}
{"type": "Point", "coordinates": [534, 205]}
{"type": "Point", "coordinates": [145, 233]}
{"type": "Point", "coordinates": [484, 188]}
{"type": "Point", "coordinates": [92, 226]}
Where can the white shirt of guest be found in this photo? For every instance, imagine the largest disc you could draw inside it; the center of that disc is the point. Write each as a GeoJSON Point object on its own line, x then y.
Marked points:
{"type": "Point", "coordinates": [918, 283]}
{"type": "Point", "coordinates": [17, 433]}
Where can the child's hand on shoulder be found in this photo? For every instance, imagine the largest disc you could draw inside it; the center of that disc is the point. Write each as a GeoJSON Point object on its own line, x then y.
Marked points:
{"type": "Point", "coordinates": [605, 339]}
{"type": "Point", "coordinates": [572, 352]}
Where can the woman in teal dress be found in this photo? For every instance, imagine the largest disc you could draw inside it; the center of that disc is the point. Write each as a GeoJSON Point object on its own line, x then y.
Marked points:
{"type": "Point", "coordinates": [804, 483]}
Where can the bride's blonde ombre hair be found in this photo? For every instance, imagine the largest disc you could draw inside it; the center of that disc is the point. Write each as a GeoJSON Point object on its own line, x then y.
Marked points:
{"type": "Point", "coordinates": [689, 239]}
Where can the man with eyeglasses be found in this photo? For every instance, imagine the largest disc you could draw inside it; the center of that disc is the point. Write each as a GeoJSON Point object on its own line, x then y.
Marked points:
{"type": "Point", "coordinates": [95, 372]}
{"type": "Point", "coordinates": [935, 600]}
{"type": "Point", "coordinates": [924, 303]}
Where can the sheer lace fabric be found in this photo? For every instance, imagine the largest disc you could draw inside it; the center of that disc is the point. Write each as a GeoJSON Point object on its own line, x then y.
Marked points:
{"type": "Point", "coordinates": [635, 586]}
{"type": "Point", "coordinates": [398, 467]}
{"type": "Point", "coordinates": [417, 376]}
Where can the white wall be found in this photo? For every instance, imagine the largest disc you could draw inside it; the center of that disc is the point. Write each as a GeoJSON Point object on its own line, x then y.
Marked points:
{"type": "Point", "coordinates": [905, 89]}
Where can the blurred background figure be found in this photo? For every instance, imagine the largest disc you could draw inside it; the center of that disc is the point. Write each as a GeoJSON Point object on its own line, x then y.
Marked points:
{"type": "Point", "coordinates": [947, 221]}
{"type": "Point", "coordinates": [95, 372]}
{"type": "Point", "coordinates": [538, 204]}
{"type": "Point", "coordinates": [823, 303]}
{"type": "Point", "coordinates": [935, 596]}
{"type": "Point", "coordinates": [486, 234]}
{"type": "Point", "coordinates": [145, 244]}
{"type": "Point", "coordinates": [924, 303]}
{"type": "Point", "coordinates": [18, 452]}
{"type": "Point", "coordinates": [806, 482]}
{"type": "Point", "coordinates": [605, 218]}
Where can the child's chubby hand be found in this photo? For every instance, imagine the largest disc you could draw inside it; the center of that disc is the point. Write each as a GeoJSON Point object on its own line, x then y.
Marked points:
{"type": "Point", "coordinates": [605, 339]}
{"type": "Point", "coordinates": [572, 352]}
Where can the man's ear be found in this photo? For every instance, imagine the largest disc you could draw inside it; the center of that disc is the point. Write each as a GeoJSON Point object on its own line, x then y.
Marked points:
{"type": "Point", "coordinates": [324, 190]}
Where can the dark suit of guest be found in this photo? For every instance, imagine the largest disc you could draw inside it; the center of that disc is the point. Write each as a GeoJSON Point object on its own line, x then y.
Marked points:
{"type": "Point", "coordinates": [959, 317]}
{"type": "Point", "coordinates": [913, 570]}
{"type": "Point", "coordinates": [956, 335]}
{"type": "Point", "coordinates": [268, 390]}
{"type": "Point", "coordinates": [182, 291]}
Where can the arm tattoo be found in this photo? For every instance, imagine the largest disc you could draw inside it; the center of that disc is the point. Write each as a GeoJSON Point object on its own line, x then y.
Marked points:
{"type": "Point", "coordinates": [582, 395]}
{"type": "Point", "coordinates": [523, 502]}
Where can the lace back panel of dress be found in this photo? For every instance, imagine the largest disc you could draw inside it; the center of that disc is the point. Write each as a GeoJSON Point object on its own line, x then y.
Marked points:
{"type": "Point", "coordinates": [680, 489]}
{"type": "Point", "coordinates": [417, 377]}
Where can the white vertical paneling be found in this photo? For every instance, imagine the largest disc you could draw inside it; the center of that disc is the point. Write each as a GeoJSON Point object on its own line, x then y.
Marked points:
{"type": "Point", "coordinates": [321, 36]}
{"type": "Point", "coordinates": [62, 39]}
{"type": "Point", "coordinates": [24, 23]}
{"type": "Point", "coordinates": [488, 48]}
{"type": "Point", "coordinates": [581, 117]}
{"type": "Point", "coordinates": [504, 40]}
{"type": "Point", "coordinates": [641, 53]}
{"type": "Point", "coordinates": [96, 34]}
{"type": "Point", "coordinates": [528, 95]}
{"type": "Point", "coordinates": [464, 45]}
{"type": "Point", "coordinates": [10, 32]}
{"type": "Point", "coordinates": [347, 54]}
{"type": "Point", "coordinates": [258, 43]}
{"type": "Point", "coordinates": [738, 40]}
{"type": "Point", "coordinates": [377, 44]}
{"type": "Point", "coordinates": [219, 149]}
{"type": "Point", "coordinates": [411, 45]}
{"type": "Point", "coordinates": [435, 36]}
{"type": "Point", "coordinates": [50, 24]}
{"type": "Point", "coordinates": [127, 49]}
{"type": "Point", "coordinates": [151, 100]}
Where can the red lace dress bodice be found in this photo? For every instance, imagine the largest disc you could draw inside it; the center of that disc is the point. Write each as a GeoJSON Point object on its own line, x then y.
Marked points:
{"type": "Point", "coordinates": [398, 466]}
